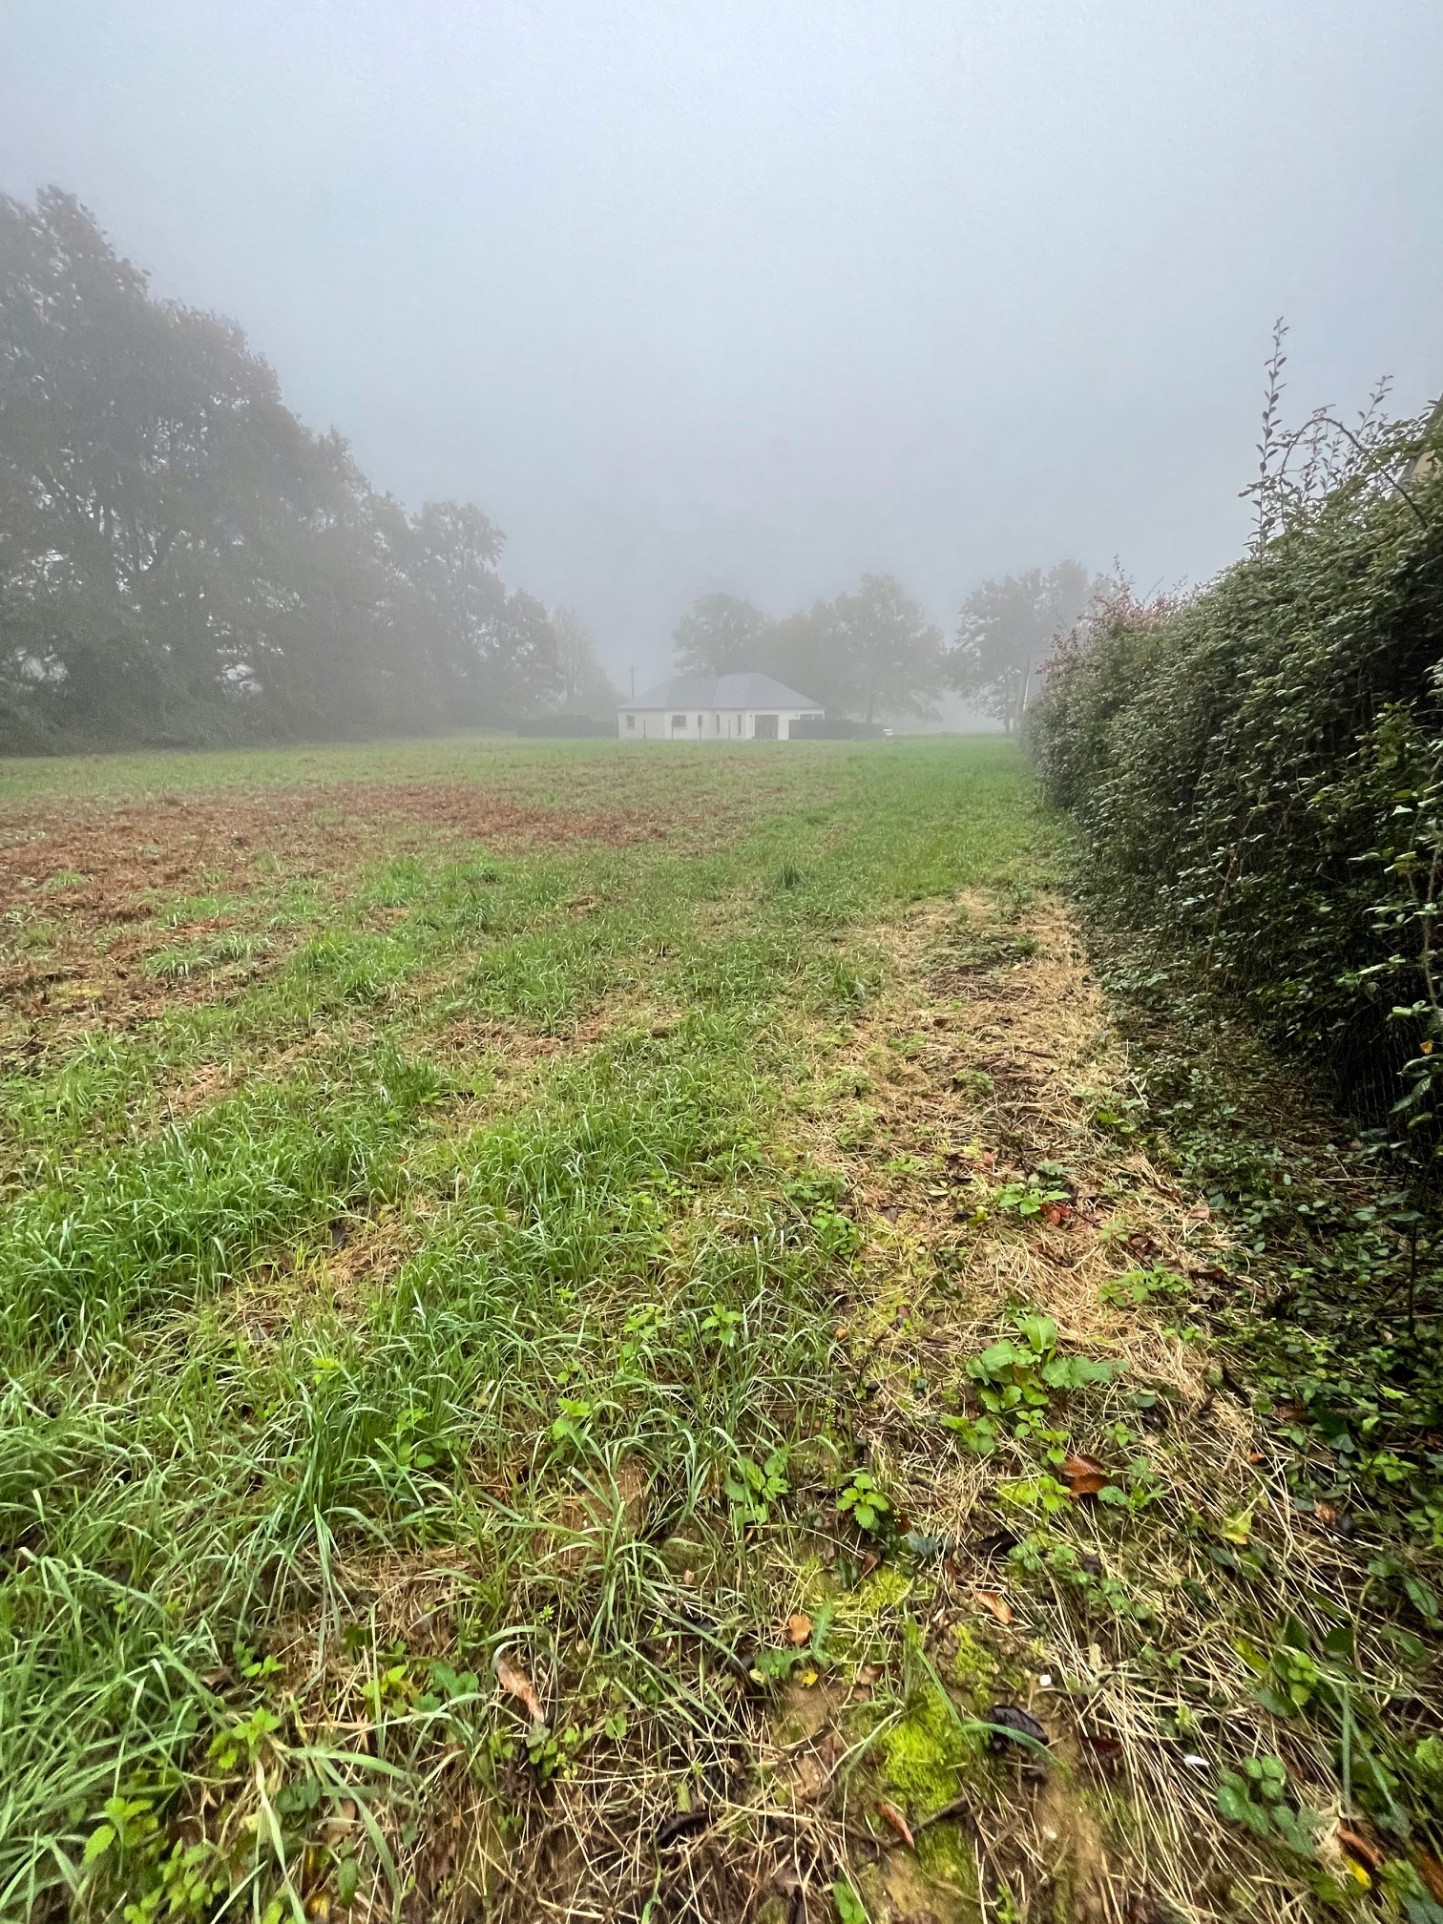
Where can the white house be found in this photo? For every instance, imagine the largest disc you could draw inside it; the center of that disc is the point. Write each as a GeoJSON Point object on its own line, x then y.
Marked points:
{"type": "Point", "coordinates": [710, 708]}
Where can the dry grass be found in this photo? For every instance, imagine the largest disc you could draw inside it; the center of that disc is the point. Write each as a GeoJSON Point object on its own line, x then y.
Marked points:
{"type": "Point", "coordinates": [990, 1056]}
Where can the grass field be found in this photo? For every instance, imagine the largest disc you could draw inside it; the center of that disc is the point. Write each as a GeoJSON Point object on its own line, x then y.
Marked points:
{"type": "Point", "coordinates": [579, 1343]}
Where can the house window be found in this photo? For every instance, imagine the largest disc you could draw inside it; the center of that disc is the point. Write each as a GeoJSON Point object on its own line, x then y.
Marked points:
{"type": "Point", "coordinates": [631, 721]}
{"type": "Point", "coordinates": [765, 729]}
{"type": "Point", "coordinates": [678, 724]}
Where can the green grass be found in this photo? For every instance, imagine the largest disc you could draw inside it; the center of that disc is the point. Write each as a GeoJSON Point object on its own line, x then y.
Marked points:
{"type": "Point", "coordinates": [558, 1082]}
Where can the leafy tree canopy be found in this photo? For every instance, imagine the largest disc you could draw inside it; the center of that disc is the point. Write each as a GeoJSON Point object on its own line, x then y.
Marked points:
{"type": "Point", "coordinates": [181, 560]}
{"type": "Point", "coordinates": [721, 635]}
{"type": "Point", "coordinates": [586, 688]}
{"type": "Point", "coordinates": [869, 653]}
{"type": "Point", "coordinates": [1006, 631]}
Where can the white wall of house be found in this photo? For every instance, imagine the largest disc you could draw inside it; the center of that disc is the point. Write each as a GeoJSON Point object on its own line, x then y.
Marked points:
{"type": "Point", "coordinates": [706, 724]}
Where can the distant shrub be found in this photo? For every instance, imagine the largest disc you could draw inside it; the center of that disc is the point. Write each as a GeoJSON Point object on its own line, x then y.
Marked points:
{"type": "Point", "coordinates": [1257, 769]}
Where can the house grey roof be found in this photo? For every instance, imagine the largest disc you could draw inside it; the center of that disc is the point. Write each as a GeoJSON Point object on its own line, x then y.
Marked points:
{"type": "Point", "coordinates": [722, 691]}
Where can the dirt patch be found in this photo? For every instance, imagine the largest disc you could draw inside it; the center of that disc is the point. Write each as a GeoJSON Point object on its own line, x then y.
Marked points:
{"type": "Point", "coordinates": [81, 882]}
{"type": "Point", "coordinates": [364, 1254]}
{"type": "Point", "coordinates": [97, 864]}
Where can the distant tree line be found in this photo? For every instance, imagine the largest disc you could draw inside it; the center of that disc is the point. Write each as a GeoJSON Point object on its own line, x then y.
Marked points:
{"type": "Point", "coordinates": [874, 653]}
{"type": "Point", "coordinates": [865, 654]}
{"type": "Point", "coordinates": [182, 561]}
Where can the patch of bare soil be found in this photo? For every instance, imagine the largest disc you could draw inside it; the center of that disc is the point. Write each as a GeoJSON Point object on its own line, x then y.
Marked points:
{"type": "Point", "coordinates": [365, 1253]}
{"type": "Point", "coordinates": [97, 861]}
{"type": "Point", "coordinates": [93, 875]}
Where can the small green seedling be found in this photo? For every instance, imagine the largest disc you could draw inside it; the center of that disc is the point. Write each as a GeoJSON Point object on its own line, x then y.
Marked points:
{"type": "Point", "coordinates": [862, 1500]}
{"type": "Point", "coordinates": [1257, 1795]}
{"type": "Point", "coordinates": [849, 1907]}
{"type": "Point", "coordinates": [753, 1488]}
{"type": "Point", "coordinates": [573, 1414]}
{"type": "Point", "coordinates": [1141, 1286]}
{"type": "Point", "coordinates": [723, 1326]}
{"type": "Point", "coordinates": [1028, 1199]}
{"type": "Point", "coordinates": [1016, 1383]}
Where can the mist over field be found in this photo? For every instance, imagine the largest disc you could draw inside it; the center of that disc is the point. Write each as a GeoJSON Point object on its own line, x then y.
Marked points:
{"type": "Point", "coordinates": [759, 300]}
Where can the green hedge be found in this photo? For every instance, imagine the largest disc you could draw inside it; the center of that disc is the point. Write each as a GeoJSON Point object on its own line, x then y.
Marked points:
{"type": "Point", "coordinates": [1257, 773]}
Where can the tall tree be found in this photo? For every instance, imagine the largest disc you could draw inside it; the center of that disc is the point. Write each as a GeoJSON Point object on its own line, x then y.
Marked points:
{"type": "Point", "coordinates": [155, 493]}
{"type": "Point", "coordinates": [805, 652]}
{"type": "Point", "coordinates": [496, 652]}
{"type": "Point", "coordinates": [182, 560]}
{"type": "Point", "coordinates": [586, 688]}
{"type": "Point", "coordinates": [895, 653]}
{"type": "Point", "coordinates": [721, 635]}
{"type": "Point", "coordinates": [1007, 629]}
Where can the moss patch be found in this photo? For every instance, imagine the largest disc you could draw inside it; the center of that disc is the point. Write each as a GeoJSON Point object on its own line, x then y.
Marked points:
{"type": "Point", "coordinates": [974, 1669]}
{"type": "Point", "coordinates": [925, 1757]}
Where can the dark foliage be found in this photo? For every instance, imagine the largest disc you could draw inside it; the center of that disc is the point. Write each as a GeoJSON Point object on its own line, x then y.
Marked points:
{"type": "Point", "coordinates": [1258, 770]}
{"type": "Point", "coordinates": [720, 635]}
{"type": "Point", "coordinates": [182, 561]}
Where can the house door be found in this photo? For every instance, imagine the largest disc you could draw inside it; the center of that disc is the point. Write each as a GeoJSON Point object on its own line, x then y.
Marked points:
{"type": "Point", "coordinates": [766, 728]}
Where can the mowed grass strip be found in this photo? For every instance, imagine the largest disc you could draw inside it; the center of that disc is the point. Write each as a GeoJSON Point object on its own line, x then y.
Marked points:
{"type": "Point", "coordinates": [618, 1282]}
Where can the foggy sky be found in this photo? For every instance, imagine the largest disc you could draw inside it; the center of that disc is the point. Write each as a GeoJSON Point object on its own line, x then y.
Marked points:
{"type": "Point", "coordinates": [757, 294]}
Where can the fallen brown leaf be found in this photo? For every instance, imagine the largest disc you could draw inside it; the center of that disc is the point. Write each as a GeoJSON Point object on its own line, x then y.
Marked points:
{"type": "Point", "coordinates": [1102, 1745]}
{"type": "Point", "coordinates": [1207, 1272]}
{"type": "Point", "coordinates": [995, 1605]}
{"type": "Point", "coordinates": [516, 1683]}
{"type": "Point", "coordinates": [890, 1814]}
{"type": "Point", "coordinates": [1326, 1513]}
{"type": "Point", "coordinates": [1431, 1872]}
{"type": "Point", "coordinates": [1085, 1476]}
{"type": "Point", "coordinates": [1288, 1412]}
{"type": "Point", "coordinates": [682, 1823]}
{"type": "Point", "coordinates": [1056, 1214]}
{"type": "Point", "coordinates": [1360, 1847]}
{"type": "Point", "coordinates": [799, 1628]}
